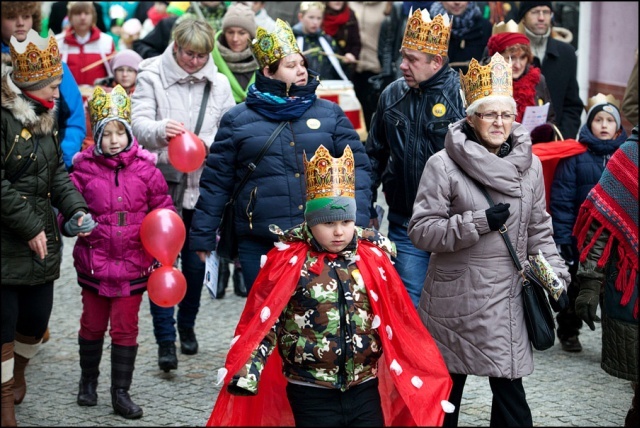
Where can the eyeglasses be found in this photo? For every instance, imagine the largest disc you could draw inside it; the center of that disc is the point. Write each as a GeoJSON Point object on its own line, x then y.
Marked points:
{"type": "Point", "coordinates": [492, 117]}
{"type": "Point", "coordinates": [543, 12]}
{"type": "Point", "coordinates": [191, 55]}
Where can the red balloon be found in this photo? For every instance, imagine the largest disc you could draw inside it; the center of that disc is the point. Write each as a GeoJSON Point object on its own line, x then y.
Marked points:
{"type": "Point", "coordinates": [163, 234]}
{"type": "Point", "coordinates": [166, 286]}
{"type": "Point", "coordinates": [186, 152]}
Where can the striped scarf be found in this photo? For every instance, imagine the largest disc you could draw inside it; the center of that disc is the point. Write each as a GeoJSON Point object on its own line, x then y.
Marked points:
{"type": "Point", "coordinates": [613, 202]}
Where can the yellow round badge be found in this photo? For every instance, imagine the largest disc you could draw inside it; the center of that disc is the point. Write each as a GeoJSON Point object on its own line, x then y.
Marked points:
{"type": "Point", "coordinates": [313, 123]}
{"type": "Point", "coordinates": [439, 110]}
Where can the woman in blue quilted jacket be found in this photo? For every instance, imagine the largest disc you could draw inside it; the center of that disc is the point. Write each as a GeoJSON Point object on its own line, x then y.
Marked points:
{"type": "Point", "coordinates": [275, 193]}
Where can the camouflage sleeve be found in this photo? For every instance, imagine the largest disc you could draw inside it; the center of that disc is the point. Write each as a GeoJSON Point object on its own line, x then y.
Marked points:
{"type": "Point", "coordinates": [245, 381]}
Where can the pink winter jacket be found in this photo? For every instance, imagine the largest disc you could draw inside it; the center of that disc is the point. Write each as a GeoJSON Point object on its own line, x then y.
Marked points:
{"type": "Point", "coordinates": [120, 191]}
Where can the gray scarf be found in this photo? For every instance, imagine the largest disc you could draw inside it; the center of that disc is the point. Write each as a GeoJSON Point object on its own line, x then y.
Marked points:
{"type": "Point", "coordinates": [238, 62]}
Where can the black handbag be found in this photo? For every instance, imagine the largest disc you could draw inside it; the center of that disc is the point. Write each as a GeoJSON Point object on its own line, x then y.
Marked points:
{"type": "Point", "coordinates": [227, 247]}
{"type": "Point", "coordinates": [177, 180]}
{"type": "Point", "coordinates": [537, 312]}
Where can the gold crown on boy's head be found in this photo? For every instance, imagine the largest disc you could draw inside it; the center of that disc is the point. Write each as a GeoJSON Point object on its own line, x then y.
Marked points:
{"type": "Point", "coordinates": [114, 104]}
{"type": "Point", "coordinates": [35, 58]}
{"type": "Point", "coordinates": [270, 47]}
{"type": "Point", "coordinates": [327, 176]}
{"type": "Point", "coordinates": [427, 35]}
{"type": "Point", "coordinates": [602, 99]}
{"type": "Point", "coordinates": [495, 78]}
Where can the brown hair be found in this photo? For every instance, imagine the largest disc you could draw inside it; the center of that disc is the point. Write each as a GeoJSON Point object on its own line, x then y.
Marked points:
{"type": "Point", "coordinates": [11, 9]}
{"type": "Point", "coordinates": [273, 67]}
{"type": "Point", "coordinates": [514, 50]}
{"type": "Point", "coordinates": [77, 7]}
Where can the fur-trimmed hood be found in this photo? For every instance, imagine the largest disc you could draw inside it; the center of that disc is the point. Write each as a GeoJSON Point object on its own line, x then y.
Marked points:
{"type": "Point", "coordinates": [24, 110]}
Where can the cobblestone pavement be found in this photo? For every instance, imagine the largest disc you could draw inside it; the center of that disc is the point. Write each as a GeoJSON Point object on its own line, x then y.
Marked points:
{"type": "Point", "coordinates": [564, 390]}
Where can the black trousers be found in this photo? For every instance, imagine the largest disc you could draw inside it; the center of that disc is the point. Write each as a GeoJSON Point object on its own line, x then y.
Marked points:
{"type": "Point", "coordinates": [26, 310]}
{"type": "Point", "coordinates": [356, 407]}
{"type": "Point", "coordinates": [509, 407]}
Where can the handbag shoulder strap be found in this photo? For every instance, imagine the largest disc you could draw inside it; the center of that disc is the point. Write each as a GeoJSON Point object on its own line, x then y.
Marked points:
{"type": "Point", "coordinates": [203, 107]}
{"type": "Point", "coordinates": [252, 166]}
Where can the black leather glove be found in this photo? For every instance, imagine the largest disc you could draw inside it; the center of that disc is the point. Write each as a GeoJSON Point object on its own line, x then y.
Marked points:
{"type": "Point", "coordinates": [71, 227]}
{"type": "Point", "coordinates": [497, 215]}
{"type": "Point", "coordinates": [566, 252]}
{"type": "Point", "coordinates": [561, 303]}
{"type": "Point", "coordinates": [587, 302]}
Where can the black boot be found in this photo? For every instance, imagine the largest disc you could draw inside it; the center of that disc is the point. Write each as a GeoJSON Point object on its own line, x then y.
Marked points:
{"type": "Point", "coordinates": [223, 277]}
{"type": "Point", "coordinates": [123, 360]}
{"type": "Point", "coordinates": [188, 342]}
{"type": "Point", "coordinates": [167, 359]}
{"type": "Point", "coordinates": [239, 286]}
{"type": "Point", "coordinates": [90, 356]}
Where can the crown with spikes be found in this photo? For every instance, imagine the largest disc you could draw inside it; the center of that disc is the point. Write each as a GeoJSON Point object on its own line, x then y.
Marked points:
{"type": "Point", "coordinates": [602, 99]}
{"type": "Point", "coordinates": [427, 35]}
{"type": "Point", "coordinates": [269, 47]}
{"type": "Point", "coordinates": [327, 176]}
{"type": "Point", "coordinates": [509, 27]}
{"type": "Point", "coordinates": [494, 78]}
{"type": "Point", "coordinates": [35, 59]}
{"type": "Point", "coordinates": [114, 104]}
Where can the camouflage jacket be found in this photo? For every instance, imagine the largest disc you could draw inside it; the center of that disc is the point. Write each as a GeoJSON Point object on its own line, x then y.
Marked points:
{"type": "Point", "coordinates": [324, 334]}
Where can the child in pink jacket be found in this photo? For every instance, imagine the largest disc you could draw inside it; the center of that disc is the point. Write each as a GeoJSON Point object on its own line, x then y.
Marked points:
{"type": "Point", "coordinates": [121, 184]}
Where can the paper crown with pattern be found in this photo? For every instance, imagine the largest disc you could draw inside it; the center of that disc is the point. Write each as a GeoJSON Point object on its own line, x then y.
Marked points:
{"type": "Point", "coordinates": [602, 99]}
{"type": "Point", "coordinates": [495, 79]}
{"type": "Point", "coordinates": [427, 35]}
{"type": "Point", "coordinates": [327, 176]}
{"type": "Point", "coordinates": [35, 58]}
{"type": "Point", "coordinates": [506, 27]}
{"type": "Point", "coordinates": [270, 47]}
{"type": "Point", "coordinates": [114, 104]}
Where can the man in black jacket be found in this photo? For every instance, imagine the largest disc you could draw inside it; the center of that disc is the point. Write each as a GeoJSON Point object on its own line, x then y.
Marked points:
{"type": "Point", "coordinates": [409, 125]}
{"type": "Point", "coordinates": [557, 61]}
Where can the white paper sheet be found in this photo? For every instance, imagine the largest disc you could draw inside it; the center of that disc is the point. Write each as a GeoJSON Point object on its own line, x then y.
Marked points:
{"type": "Point", "coordinates": [535, 116]}
{"type": "Point", "coordinates": [212, 262]}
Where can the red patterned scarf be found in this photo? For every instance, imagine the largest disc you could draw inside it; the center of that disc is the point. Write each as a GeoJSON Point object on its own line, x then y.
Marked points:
{"type": "Point", "coordinates": [524, 90]}
{"type": "Point", "coordinates": [332, 20]}
{"type": "Point", "coordinates": [613, 202]}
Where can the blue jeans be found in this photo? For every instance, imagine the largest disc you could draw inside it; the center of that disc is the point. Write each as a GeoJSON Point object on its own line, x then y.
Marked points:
{"type": "Point", "coordinates": [250, 251]}
{"type": "Point", "coordinates": [193, 271]}
{"type": "Point", "coordinates": [411, 263]}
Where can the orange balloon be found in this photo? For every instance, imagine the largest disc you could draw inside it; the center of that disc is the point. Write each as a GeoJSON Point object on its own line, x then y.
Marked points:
{"type": "Point", "coordinates": [186, 152]}
{"type": "Point", "coordinates": [163, 234]}
{"type": "Point", "coordinates": [166, 286]}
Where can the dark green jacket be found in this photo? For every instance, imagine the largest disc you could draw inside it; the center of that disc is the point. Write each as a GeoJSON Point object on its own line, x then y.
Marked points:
{"type": "Point", "coordinates": [27, 204]}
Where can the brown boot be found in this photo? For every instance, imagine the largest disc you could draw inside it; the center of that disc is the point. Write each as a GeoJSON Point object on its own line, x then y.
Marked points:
{"type": "Point", "coordinates": [25, 349]}
{"type": "Point", "coordinates": [8, 409]}
{"type": "Point", "coordinates": [45, 338]}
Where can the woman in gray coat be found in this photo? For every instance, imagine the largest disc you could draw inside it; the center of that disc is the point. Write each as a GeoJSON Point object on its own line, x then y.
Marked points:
{"type": "Point", "coordinates": [471, 301]}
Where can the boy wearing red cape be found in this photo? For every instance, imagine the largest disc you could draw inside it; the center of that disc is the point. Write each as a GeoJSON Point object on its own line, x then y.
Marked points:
{"type": "Point", "coordinates": [329, 335]}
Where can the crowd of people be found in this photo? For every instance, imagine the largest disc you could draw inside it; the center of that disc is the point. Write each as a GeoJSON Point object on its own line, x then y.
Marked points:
{"type": "Point", "coordinates": [94, 93]}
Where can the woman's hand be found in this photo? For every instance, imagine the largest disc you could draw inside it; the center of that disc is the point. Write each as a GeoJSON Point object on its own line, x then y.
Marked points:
{"type": "Point", "coordinates": [38, 244]}
{"type": "Point", "coordinates": [203, 255]}
{"type": "Point", "coordinates": [173, 129]}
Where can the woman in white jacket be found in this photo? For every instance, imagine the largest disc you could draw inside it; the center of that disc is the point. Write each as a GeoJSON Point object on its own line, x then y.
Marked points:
{"type": "Point", "coordinates": [167, 102]}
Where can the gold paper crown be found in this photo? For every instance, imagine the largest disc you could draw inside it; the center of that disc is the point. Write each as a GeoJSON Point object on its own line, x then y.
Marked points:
{"type": "Point", "coordinates": [509, 27]}
{"type": "Point", "coordinates": [426, 35]}
{"type": "Point", "coordinates": [602, 99]}
{"type": "Point", "coordinates": [270, 47]}
{"type": "Point", "coordinates": [328, 176]}
{"type": "Point", "coordinates": [114, 104]}
{"type": "Point", "coordinates": [494, 78]}
{"type": "Point", "coordinates": [35, 59]}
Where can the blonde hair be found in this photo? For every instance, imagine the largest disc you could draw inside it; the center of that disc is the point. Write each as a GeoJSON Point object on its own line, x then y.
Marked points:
{"type": "Point", "coordinates": [195, 34]}
{"type": "Point", "coordinates": [306, 5]}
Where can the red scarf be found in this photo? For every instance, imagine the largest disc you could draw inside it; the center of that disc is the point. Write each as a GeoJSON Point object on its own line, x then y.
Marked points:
{"type": "Point", "coordinates": [48, 104]}
{"type": "Point", "coordinates": [524, 90]}
{"type": "Point", "coordinates": [334, 20]}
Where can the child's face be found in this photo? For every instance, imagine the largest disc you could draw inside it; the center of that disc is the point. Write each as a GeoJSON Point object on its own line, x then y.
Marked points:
{"type": "Point", "coordinates": [311, 20]}
{"type": "Point", "coordinates": [334, 236]}
{"type": "Point", "coordinates": [114, 138]}
{"type": "Point", "coordinates": [604, 126]}
{"type": "Point", "coordinates": [125, 76]}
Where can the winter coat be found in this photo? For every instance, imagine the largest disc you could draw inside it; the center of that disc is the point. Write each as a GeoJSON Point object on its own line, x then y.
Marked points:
{"type": "Point", "coordinates": [276, 190]}
{"type": "Point", "coordinates": [120, 191]}
{"type": "Point", "coordinates": [471, 302]}
{"type": "Point", "coordinates": [463, 49]}
{"type": "Point", "coordinates": [71, 117]}
{"type": "Point", "coordinates": [77, 56]}
{"type": "Point", "coordinates": [165, 91]}
{"type": "Point", "coordinates": [27, 203]}
{"type": "Point", "coordinates": [409, 126]}
{"type": "Point", "coordinates": [574, 177]}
